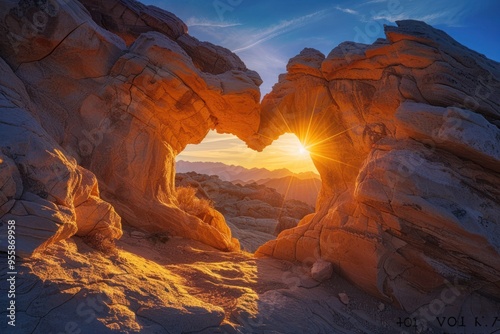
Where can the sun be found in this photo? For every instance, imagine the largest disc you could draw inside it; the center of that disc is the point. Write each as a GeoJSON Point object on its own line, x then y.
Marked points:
{"type": "Point", "coordinates": [302, 150]}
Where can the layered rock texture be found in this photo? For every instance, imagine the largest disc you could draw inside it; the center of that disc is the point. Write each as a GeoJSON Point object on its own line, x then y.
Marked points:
{"type": "Point", "coordinates": [98, 97]}
{"type": "Point", "coordinates": [405, 134]}
{"type": "Point", "coordinates": [182, 286]}
{"type": "Point", "coordinates": [79, 98]}
{"type": "Point", "coordinates": [254, 213]}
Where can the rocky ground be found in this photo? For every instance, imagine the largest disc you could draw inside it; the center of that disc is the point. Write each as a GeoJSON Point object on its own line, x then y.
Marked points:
{"type": "Point", "coordinates": [151, 284]}
{"type": "Point", "coordinates": [303, 186]}
{"type": "Point", "coordinates": [254, 213]}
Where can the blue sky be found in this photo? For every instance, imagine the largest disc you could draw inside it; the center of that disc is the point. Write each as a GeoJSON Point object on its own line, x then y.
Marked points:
{"type": "Point", "coordinates": [265, 34]}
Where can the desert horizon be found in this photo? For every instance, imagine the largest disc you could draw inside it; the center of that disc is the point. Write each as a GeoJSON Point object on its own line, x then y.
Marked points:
{"type": "Point", "coordinates": [286, 152]}
{"type": "Point", "coordinates": [240, 167]}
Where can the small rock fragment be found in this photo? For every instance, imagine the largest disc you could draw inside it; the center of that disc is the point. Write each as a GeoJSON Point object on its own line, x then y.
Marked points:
{"type": "Point", "coordinates": [321, 270]}
{"type": "Point", "coordinates": [381, 307]}
{"type": "Point", "coordinates": [344, 298]}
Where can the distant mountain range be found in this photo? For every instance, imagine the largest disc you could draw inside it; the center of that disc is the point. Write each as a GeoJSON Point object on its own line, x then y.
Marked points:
{"type": "Point", "coordinates": [239, 173]}
{"type": "Point", "coordinates": [300, 186]}
{"type": "Point", "coordinates": [305, 190]}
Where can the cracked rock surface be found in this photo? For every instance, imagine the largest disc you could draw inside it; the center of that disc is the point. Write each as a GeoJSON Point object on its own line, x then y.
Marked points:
{"type": "Point", "coordinates": [405, 134]}
{"type": "Point", "coordinates": [84, 106]}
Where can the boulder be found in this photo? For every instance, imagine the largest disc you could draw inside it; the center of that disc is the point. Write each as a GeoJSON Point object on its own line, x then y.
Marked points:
{"type": "Point", "coordinates": [321, 270]}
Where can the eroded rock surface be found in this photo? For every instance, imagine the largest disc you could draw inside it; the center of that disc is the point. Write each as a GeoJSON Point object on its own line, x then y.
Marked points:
{"type": "Point", "coordinates": [406, 138]}
{"type": "Point", "coordinates": [120, 102]}
{"type": "Point", "coordinates": [179, 286]}
{"type": "Point", "coordinates": [47, 195]}
{"type": "Point", "coordinates": [255, 213]}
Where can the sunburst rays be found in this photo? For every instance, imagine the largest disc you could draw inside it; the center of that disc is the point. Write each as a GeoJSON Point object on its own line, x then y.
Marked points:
{"type": "Point", "coordinates": [319, 136]}
{"type": "Point", "coordinates": [317, 132]}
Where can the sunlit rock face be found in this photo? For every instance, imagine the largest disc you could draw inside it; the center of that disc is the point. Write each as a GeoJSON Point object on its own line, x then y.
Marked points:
{"type": "Point", "coordinates": [98, 99]}
{"type": "Point", "coordinates": [255, 213]}
{"type": "Point", "coordinates": [84, 104]}
{"type": "Point", "coordinates": [44, 195]}
{"type": "Point", "coordinates": [405, 134]}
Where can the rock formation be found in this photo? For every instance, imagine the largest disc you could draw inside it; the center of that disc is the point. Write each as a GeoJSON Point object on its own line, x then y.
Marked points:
{"type": "Point", "coordinates": [99, 97]}
{"type": "Point", "coordinates": [77, 98]}
{"type": "Point", "coordinates": [47, 194]}
{"type": "Point", "coordinates": [254, 213]}
{"type": "Point", "coordinates": [405, 134]}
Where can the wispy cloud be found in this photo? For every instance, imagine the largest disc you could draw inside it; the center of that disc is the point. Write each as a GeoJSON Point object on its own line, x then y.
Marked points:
{"type": "Point", "coordinates": [347, 10]}
{"type": "Point", "coordinates": [199, 22]}
{"type": "Point", "coordinates": [430, 11]}
{"type": "Point", "coordinates": [449, 18]}
{"type": "Point", "coordinates": [268, 62]}
{"type": "Point", "coordinates": [373, 1]}
{"type": "Point", "coordinates": [266, 34]}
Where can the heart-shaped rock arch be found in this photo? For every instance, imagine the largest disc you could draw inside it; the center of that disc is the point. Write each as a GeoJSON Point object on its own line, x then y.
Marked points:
{"type": "Point", "coordinates": [404, 133]}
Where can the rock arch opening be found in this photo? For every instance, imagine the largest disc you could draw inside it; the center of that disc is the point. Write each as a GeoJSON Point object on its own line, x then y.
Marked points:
{"type": "Point", "coordinates": [259, 194]}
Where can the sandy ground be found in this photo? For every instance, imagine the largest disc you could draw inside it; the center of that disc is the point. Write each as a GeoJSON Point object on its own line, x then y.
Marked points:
{"type": "Point", "coordinates": [228, 279]}
{"type": "Point", "coordinates": [154, 285]}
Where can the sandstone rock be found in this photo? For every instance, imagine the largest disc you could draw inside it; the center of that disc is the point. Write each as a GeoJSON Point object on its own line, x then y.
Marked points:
{"type": "Point", "coordinates": [93, 215]}
{"type": "Point", "coordinates": [128, 19]}
{"type": "Point", "coordinates": [284, 223]}
{"type": "Point", "coordinates": [409, 126]}
{"type": "Point", "coordinates": [122, 112]}
{"type": "Point", "coordinates": [42, 189]}
{"type": "Point", "coordinates": [251, 211]}
{"type": "Point", "coordinates": [59, 21]}
{"type": "Point", "coordinates": [321, 270]}
{"type": "Point", "coordinates": [344, 298]}
{"type": "Point", "coordinates": [308, 61]}
{"type": "Point", "coordinates": [459, 131]}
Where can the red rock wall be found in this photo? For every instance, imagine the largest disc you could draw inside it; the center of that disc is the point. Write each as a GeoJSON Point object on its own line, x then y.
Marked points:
{"type": "Point", "coordinates": [405, 134]}
{"type": "Point", "coordinates": [121, 103]}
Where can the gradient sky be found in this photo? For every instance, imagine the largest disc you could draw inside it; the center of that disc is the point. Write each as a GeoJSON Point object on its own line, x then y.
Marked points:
{"type": "Point", "coordinates": [265, 34]}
